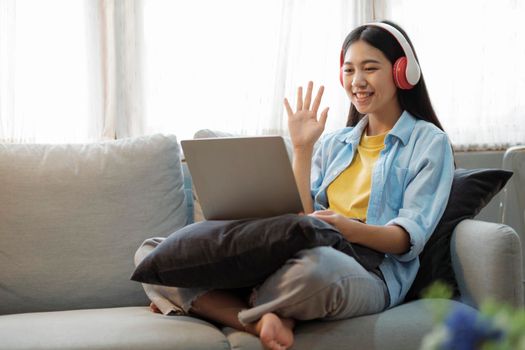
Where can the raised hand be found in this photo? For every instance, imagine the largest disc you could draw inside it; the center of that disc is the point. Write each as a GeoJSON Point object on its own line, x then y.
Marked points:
{"type": "Point", "coordinates": [305, 128]}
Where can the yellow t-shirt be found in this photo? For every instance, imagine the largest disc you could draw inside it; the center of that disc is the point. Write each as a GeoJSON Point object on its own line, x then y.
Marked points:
{"type": "Point", "coordinates": [349, 193]}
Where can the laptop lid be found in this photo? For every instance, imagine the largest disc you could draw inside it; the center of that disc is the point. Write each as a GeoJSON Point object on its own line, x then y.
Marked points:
{"type": "Point", "coordinates": [242, 177]}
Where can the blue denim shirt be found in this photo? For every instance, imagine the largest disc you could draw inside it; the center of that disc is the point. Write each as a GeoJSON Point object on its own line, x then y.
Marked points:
{"type": "Point", "coordinates": [410, 186]}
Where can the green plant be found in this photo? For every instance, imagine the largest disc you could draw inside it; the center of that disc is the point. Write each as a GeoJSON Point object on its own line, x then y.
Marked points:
{"type": "Point", "coordinates": [496, 326]}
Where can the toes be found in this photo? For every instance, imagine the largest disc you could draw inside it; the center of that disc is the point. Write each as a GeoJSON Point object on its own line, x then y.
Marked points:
{"type": "Point", "coordinates": [154, 308]}
{"type": "Point", "coordinates": [274, 345]}
{"type": "Point", "coordinates": [278, 346]}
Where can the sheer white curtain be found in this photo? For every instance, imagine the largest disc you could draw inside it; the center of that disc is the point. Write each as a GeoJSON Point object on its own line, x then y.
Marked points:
{"type": "Point", "coordinates": [83, 70]}
{"type": "Point", "coordinates": [472, 55]}
{"type": "Point", "coordinates": [121, 87]}
{"type": "Point", "coordinates": [70, 70]}
{"type": "Point", "coordinates": [228, 65]}
{"type": "Point", "coordinates": [314, 32]}
{"type": "Point", "coordinates": [46, 71]}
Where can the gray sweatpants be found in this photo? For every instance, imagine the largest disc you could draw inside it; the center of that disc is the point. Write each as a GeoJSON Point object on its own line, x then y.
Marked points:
{"type": "Point", "coordinates": [318, 283]}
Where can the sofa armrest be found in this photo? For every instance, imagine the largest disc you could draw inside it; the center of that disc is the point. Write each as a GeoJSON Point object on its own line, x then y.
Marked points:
{"type": "Point", "coordinates": [487, 261]}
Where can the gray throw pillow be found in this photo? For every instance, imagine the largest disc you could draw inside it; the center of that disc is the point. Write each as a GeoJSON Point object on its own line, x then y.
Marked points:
{"type": "Point", "coordinates": [240, 253]}
{"type": "Point", "coordinates": [472, 190]}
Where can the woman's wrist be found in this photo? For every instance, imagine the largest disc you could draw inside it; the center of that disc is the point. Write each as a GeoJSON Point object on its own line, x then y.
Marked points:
{"type": "Point", "coordinates": [303, 149]}
{"type": "Point", "coordinates": [351, 229]}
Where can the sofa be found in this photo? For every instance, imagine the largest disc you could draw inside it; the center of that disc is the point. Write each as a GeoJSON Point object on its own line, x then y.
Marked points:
{"type": "Point", "coordinates": [72, 217]}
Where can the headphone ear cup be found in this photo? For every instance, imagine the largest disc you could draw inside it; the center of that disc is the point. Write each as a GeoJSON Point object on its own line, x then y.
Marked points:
{"type": "Point", "coordinates": [341, 63]}
{"type": "Point", "coordinates": [400, 76]}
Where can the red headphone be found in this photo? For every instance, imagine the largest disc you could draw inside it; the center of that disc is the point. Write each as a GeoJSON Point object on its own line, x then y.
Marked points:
{"type": "Point", "coordinates": [406, 69]}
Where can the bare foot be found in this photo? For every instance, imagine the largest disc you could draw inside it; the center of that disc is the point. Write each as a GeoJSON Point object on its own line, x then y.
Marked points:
{"type": "Point", "coordinates": [275, 333]}
{"type": "Point", "coordinates": [154, 308]}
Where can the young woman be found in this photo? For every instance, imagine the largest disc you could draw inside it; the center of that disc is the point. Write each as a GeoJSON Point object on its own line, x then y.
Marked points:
{"type": "Point", "coordinates": [391, 168]}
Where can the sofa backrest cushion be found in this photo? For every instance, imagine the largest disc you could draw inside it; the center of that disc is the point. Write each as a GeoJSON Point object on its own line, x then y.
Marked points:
{"type": "Point", "coordinates": [72, 217]}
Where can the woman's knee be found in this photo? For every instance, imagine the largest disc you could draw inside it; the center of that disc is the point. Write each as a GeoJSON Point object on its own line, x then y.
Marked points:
{"type": "Point", "coordinates": [323, 266]}
{"type": "Point", "coordinates": [310, 271]}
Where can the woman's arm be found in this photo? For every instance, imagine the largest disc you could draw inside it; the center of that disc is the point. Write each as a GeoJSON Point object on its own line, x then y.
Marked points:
{"type": "Point", "coordinates": [391, 239]}
{"type": "Point", "coordinates": [305, 129]}
{"type": "Point", "coordinates": [424, 201]}
{"type": "Point", "coordinates": [302, 163]}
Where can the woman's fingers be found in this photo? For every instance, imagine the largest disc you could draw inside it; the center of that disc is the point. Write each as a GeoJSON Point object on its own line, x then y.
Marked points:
{"type": "Point", "coordinates": [299, 98]}
{"type": "Point", "coordinates": [326, 215]}
{"type": "Point", "coordinates": [288, 108]}
{"type": "Point", "coordinates": [308, 97]}
{"type": "Point", "coordinates": [305, 105]}
{"type": "Point", "coordinates": [317, 100]}
{"type": "Point", "coordinates": [324, 116]}
{"type": "Point", "coordinates": [323, 212]}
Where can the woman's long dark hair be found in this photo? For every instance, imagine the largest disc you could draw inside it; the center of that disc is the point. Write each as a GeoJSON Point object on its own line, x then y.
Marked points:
{"type": "Point", "coordinates": [416, 101]}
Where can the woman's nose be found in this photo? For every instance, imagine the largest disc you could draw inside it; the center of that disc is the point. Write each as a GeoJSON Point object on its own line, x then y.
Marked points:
{"type": "Point", "coordinates": [358, 79]}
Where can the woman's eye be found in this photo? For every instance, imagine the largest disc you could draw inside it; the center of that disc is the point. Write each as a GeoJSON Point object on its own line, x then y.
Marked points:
{"type": "Point", "coordinates": [348, 70]}
{"type": "Point", "coordinates": [370, 69]}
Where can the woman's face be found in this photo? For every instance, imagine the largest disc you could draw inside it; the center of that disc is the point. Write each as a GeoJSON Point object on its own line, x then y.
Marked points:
{"type": "Point", "coordinates": [368, 81]}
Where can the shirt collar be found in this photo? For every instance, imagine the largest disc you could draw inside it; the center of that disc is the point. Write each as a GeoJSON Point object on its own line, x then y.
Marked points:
{"type": "Point", "coordinates": [402, 129]}
{"type": "Point", "coordinates": [354, 135]}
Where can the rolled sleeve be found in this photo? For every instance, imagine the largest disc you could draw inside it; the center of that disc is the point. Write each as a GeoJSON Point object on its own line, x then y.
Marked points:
{"type": "Point", "coordinates": [426, 195]}
{"type": "Point", "coordinates": [317, 172]}
{"type": "Point", "coordinates": [316, 175]}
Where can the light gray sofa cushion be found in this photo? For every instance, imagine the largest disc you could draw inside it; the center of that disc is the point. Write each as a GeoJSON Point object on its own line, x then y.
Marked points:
{"type": "Point", "coordinates": [400, 328]}
{"type": "Point", "coordinates": [129, 328]}
{"type": "Point", "coordinates": [72, 217]}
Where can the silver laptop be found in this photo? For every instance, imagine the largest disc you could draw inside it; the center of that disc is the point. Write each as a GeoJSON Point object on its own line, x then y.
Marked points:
{"type": "Point", "coordinates": [242, 177]}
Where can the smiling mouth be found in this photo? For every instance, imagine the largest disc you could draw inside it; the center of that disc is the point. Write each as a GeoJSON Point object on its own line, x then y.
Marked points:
{"type": "Point", "coordinates": [362, 96]}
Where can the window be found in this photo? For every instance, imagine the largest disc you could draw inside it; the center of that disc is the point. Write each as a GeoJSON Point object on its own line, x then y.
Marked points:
{"type": "Point", "coordinates": [44, 62]}
{"type": "Point", "coordinates": [472, 55]}
{"type": "Point", "coordinates": [82, 70]}
{"type": "Point", "coordinates": [228, 65]}
{"type": "Point", "coordinates": [210, 64]}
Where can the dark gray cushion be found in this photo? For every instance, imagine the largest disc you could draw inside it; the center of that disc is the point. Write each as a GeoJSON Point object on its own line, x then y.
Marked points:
{"type": "Point", "coordinates": [472, 190]}
{"type": "Point", "coordinates": [240, 253]}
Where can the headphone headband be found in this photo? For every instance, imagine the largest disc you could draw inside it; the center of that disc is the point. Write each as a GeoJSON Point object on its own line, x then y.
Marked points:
{"type": "Point", "coordinates": [413, 72]}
